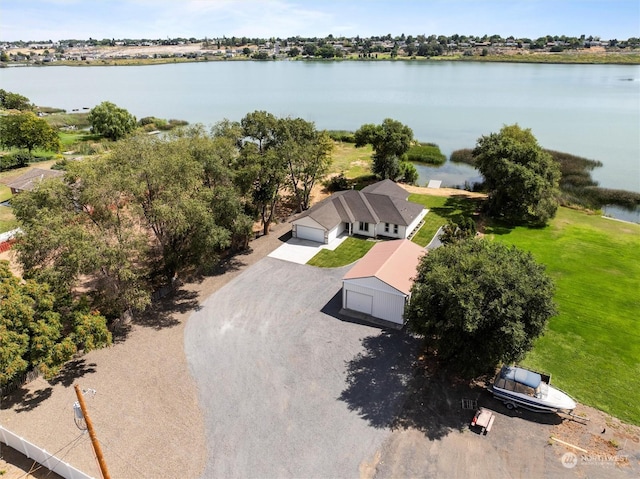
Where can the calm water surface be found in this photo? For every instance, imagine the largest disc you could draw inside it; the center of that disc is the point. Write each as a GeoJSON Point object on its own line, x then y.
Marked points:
{"type": "Point", "coordinates": [587, 110]}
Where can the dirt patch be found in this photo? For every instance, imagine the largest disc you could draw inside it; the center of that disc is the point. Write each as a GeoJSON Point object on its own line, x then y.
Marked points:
{"type": "Point", "coordinates": [145, 410]}
{"type": "Point", "coordinates": [421, 190]}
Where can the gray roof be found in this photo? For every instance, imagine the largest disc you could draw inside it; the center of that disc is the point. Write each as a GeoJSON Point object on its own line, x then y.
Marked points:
{"type": "Point", "coordinates": [28, 180]}
{"type": "Point", "coordinates": [382, 202]}
{"type": "Point", "coordinates": [387, 188]}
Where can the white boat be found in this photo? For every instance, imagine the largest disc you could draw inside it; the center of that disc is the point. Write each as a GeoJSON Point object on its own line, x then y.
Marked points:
{"type": "Point", "coordinates": [520, 387]}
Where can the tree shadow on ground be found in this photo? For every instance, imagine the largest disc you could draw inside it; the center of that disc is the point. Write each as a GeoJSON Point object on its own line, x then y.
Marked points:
{"type": "Point", "coordinates": [377, 378]}
{"type": "Point", "coordinates": [389, 387]}
{"type": "Point", "coordinates": [160, 314]}
{"type": "Point", "coordinates": [26, 465]}
{"type": "Point", "coordinates": [26, 400]}
{"type": "Point", "coordinates": [74, 369]}
{"type": "Point", "coordinates": [457, 207]}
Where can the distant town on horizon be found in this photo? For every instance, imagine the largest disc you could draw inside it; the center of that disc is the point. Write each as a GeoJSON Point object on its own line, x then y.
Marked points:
{"type": "Point", "coordinates": [387, 46]}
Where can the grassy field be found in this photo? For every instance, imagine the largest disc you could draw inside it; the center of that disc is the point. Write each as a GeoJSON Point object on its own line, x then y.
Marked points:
{"type": "Point", "coordinates": [441, 209]}
{"type": "Point", "coordinates": [351, 249]}
{"type": "Point", "coordinates": [353, 162]}
{"type": "Point", "coordinates": [592, 348]}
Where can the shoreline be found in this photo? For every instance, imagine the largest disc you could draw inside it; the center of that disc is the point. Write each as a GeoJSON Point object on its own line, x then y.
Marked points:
{"type": "Point", "coordinates": [600, 58]}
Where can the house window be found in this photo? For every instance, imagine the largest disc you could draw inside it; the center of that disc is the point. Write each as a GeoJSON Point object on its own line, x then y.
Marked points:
{"type": "Point", "coordinates": [395, 229]}
{"type": "Point", "coordinates": [364, 226]}
{"type": "Point", "coordinates": [386, 227]}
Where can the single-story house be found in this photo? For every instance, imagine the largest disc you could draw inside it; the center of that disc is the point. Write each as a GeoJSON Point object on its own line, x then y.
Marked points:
{"type": "Point", "coordinates": [28, 181]}
{"type": "Point", "coordinates": [379, 285]}
{"type": "Point", "coordinates": [380, 209]}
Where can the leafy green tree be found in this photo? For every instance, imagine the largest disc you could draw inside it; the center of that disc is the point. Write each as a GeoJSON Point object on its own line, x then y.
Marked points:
{"type": "Point", "coordinates": [262, 170]}
{"type": "Point", "coordinates": [408, 173]}
{"type": "Point", "coordinates": [480, 303]}
{"type": "Point", "coordinates": [390, 141]}
{"type": "Point", "coordinates": [522, 179]}
{"type": "Point", "coordinates": [36, 333]}
{"type": "Point", "coordinates": [26, 130]}
{"type": "Point", "coordinates": [14, 101]}
{"type": "Point", "coordinates": [293, 52]}
{"type": "Point", "coordinates": [111, 121]}
{"type": "Point", "coordinates": [310, 49]}
{"type": "Point", "coordinates": [84, 226]}
{"type": "Point", "coordinates": [326, 51]}
{"type": "Point", "coordinates": [307, 153]}
{"type": "Point", "coordinates": [165, 184]}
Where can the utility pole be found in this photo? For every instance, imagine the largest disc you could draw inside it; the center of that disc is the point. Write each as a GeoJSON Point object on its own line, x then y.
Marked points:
{"type": "Point", "coordinates": [92, 434]}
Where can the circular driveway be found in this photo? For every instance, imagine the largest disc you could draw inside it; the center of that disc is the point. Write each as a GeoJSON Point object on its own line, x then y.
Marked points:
{"type": "Point", "coordinates": [271, 360]}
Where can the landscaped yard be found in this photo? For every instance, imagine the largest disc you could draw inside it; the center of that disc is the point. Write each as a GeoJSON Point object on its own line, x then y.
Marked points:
{"type": "Point", "coordinates": [351, 249]}
{"type": "Point", "coordinates": [441, 209]}
{"type": "Point", "coordinates": [592, 348]}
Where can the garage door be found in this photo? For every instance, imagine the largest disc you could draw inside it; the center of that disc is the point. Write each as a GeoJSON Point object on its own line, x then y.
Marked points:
{"type": "Point", "coordinates": [313, 234]}
{"type": "Point", "coordinates": [359, 302]}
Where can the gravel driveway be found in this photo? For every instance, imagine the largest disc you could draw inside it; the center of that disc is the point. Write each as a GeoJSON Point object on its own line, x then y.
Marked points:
{"type": "Point", "coordinates": [271, 362]}
{"type": "Point", "coordinates": [289, 389]}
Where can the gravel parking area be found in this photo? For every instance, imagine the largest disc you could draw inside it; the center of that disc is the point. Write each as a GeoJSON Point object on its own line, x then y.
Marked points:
{"type": "Point", "coordinates": [272, 364]}
{"type": "Point", "coordinates": [289, 389]}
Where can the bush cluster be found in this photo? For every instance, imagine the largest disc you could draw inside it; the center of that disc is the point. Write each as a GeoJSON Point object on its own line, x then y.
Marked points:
{"type": "Point", "coordinates": [14, 160]}
{"type": "Point", "coordinates": [464, 155]}
{"type": "Point", "coordinates": [342, 135]}
{"type": "Point", "coordinates": [426, 153]}
{"type": "Point", "coordinates": [337, 183]}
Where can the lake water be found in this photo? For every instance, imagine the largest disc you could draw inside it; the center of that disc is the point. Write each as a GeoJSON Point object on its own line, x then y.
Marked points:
{"type": "Point", "coordinates": [587, 110]}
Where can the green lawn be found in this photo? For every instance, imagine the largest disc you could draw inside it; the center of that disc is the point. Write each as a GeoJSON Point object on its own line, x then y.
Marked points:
{"type": "Point", "coordinates": [68, 139]}
{"type": "Point", "coordinates": [7, 220]}
{"type": "Point", "coordinates": [441, 209]}
{"type": "Point", "coordinates": [351, 249]}
{"type": "Point", "coordinates": [592, 347]}
{"type": "Point", "coordinates": [5, 193]}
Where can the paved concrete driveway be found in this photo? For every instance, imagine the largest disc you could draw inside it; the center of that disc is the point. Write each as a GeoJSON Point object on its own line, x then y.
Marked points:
{"type": "Point", "coordinates": [273, 363]}
{"type": "Point", "coordinates": [301, 251]}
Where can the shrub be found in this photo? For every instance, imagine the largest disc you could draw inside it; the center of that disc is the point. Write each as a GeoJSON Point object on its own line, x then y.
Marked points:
{"type": "Point", "coordinates": [175, 123]}
{"type": "Point", "coordinates": [342, 135]}
{"type": "Point", "coordinates": [147, 120]}
{"type": "Point", "coordinates": [408, 173]}
{"type": "Point", "coordinates": [60, 164]}
{"type": "Point", "coordinates": [464, 155]}
{"type": "Point", "coordinates": [426, 153]}
{"type": "Point", "coordinates": [14, 160]}
{"type": "Point", "coordinates": [337, 183]}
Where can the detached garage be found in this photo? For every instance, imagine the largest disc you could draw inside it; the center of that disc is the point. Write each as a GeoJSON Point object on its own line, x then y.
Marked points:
{"type": "Point", "coordinates": [379, 285]}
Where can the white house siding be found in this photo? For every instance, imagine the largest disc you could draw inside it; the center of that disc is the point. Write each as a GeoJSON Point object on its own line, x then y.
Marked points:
{"type": "Point", "coordinates": [358, 231]}
{"type": "Point", "coordinates": [390, 234]}
{"type": "Point", "coordinates": [387, 302]}
{"type": "Point", "coordinates": [415, 223]}
{"type": "Point", "coordinates": [333, 234]}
